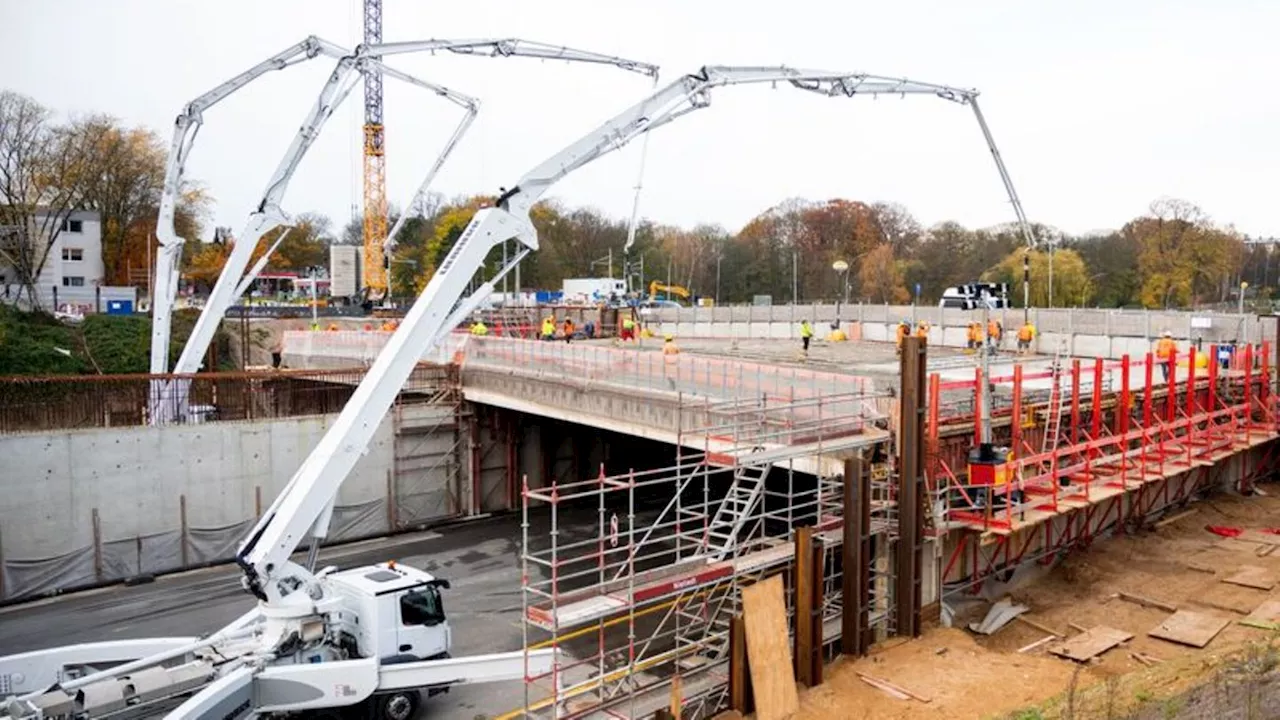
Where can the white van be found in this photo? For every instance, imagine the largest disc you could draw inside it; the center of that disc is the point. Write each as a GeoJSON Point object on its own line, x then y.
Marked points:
{"type": "Point", "coordinates": [975, 296]}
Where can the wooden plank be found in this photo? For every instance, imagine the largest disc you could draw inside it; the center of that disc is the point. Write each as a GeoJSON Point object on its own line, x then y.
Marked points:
{"type": "Point", "coordinates": [883, 688]}
{"type": "Point", "coordinates": [1090, 643]}
{"type": "Point", "coordinates": [892, 689]}
{"type": "Point", "coordinates": [1188, 627]}
{"type": "Point", "coordinates": [1252, 576]}
{"type": "Point", "coordinates": [1147, 602]}
{"type": "Point", "coordinates": [1265, 616]}
{"type": "Point", "coordinates": [1039, 626]}
{"type": "Point", "coordinates": [1175, 518]}
{"type": "Point", "coordinates": [769, 650]}
{"type": "Point", "coordinates": [1042, 641]}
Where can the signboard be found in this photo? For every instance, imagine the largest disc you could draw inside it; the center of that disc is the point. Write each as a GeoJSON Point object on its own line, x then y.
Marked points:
{"type": "Point", "coordinates": [1201, 323]}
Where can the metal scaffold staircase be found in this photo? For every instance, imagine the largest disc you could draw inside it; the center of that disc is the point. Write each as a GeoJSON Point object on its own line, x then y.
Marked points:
{"type": "Point", "coordinates": [737, 508]}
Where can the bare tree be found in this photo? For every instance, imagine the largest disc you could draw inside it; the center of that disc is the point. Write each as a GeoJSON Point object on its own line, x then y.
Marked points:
{"type": "Point", "coordinates": [41, 176]}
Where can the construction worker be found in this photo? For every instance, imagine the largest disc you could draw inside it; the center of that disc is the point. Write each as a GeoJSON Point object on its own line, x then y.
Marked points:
{"type": "Point", "coordinates": [904, 329]}
{"type": "Point", "coordinates": [671, 359]}
{"type": "Point", "coordinates": [1166, 348]}
{"type": "Point", "coordinates": [922, 329]}
{"type": "Point", "coordinates": [995, 332]}
{"type": "Point", "coordinates": [548, 328]}
{"type": "Point", "coordinates": [568, 330]}
{"type": "Point", "coordinates": [806, 335]}
{"type": "Point", "coordinates": [628, 329]}
{"type": "Point", "coordinates": [973, 336]}
{"type": "Point", "coordinates": [479, 329]}
{"type": "Point", "coordinates": [1026, 334]}
{"type": "Point", "coordinates": [669, 347]}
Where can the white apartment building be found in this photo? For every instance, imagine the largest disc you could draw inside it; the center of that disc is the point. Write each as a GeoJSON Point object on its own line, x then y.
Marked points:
{"type": "Point", "coordinates": [74, 265]}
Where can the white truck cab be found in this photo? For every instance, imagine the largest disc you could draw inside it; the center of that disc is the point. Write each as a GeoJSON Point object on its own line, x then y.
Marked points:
{"type": "Point", "coordinates": [395, 611]}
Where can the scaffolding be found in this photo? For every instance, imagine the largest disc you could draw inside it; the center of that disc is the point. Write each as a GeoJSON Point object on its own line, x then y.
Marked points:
{"type": "Point", "coordinates": [1093, 459]}
{"type": "Point", "coordinates": [635, 578]}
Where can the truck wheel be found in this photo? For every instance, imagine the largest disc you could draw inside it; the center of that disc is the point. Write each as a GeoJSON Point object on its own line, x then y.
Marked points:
{"type": "Point", "coordinates": [397, 706]}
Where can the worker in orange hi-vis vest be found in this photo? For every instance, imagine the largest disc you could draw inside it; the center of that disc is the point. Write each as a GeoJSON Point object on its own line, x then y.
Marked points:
{"type": "Point", "coordinates": [971, 336]}
{"type": "Point", "coordinates": [1166, 348]}
{"type": "Point", "coordinates": [1026, 334]}
{"type": "Point", "coordinates": [995, 333]}
{"type": "Point", "coordinates": [904, 329]}
{"type": "Point", "coordinates": [922, 329]}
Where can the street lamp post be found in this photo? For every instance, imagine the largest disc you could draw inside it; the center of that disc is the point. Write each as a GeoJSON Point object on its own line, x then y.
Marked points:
{"type": "Point", "coordinates": [719, 257]}
{"type": "Point", "coordinates": [1243, 286]}
{"type": "Point", "coordinates": [842, 269]}
{"type": "Point", "coordinates": [315, 321]}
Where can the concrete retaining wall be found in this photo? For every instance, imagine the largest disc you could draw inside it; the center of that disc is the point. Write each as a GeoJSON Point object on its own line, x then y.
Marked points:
{"type": "Point", "coordinates": [86, 506]}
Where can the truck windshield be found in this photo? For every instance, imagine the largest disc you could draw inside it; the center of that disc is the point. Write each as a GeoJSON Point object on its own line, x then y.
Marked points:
{"type": "Point", "coordinates": [422, 607]}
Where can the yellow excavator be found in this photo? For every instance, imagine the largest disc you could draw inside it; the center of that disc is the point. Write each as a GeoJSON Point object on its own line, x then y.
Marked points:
{"type": "Point", "coordinates": [656, 287]}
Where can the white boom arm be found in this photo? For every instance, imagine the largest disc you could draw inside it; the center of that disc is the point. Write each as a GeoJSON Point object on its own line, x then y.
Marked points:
{"type": "Point", "coordinates": [509, 47]}
{"type": "Point", "coordinates": [185, 129]}
{"type": "Point", "coordinates": [233, 280]}
{"type": "Point", "coordinates": [264, 556]}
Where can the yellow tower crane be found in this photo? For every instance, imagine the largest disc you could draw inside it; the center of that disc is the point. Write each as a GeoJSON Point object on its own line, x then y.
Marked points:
{"type": "Point", "coordinates": [375, 170]}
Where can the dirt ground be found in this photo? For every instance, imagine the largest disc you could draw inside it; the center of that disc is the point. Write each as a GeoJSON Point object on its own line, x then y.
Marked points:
{"type": "Point", "coordinates": [964, 675]}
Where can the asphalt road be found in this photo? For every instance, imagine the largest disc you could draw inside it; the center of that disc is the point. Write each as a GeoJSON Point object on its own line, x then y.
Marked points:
{"type": "Point", "coordinates": [481, 560]}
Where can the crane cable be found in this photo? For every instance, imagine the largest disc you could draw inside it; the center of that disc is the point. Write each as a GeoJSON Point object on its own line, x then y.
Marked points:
{"type": "Point", "coordinates": [635, 207]}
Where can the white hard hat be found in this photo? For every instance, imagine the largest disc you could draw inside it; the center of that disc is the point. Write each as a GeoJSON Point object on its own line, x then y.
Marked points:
{"type": "Point", "coordinates": [1168, 334]}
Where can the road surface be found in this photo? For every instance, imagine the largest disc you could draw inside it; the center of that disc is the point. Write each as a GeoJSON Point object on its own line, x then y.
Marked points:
{"type": "Point", "coordinates": [481, 560]}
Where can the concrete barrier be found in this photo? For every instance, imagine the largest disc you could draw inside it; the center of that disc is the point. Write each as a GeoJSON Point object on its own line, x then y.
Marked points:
{"type": "Point", "coordinates": [1091, 332]}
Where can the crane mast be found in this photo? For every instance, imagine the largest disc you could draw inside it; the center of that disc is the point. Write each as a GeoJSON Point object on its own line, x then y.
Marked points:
{"type": "Point", "coordinates": [375, 166]}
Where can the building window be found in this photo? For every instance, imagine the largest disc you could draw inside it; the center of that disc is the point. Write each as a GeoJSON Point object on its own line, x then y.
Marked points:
{"type": "Point", "coordinates": [72, 226]}
{"type": "Point", "coordinates": [72, 282]}
{"type": "Point", "coordinates": [73, 254]}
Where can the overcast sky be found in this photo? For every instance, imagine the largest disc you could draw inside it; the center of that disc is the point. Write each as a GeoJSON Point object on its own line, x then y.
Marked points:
{"type": "Point", "coordinates": [1098, 107]}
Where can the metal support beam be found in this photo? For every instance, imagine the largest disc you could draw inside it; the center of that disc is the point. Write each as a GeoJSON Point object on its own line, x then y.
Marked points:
{"type": "Point", "coordinates": [802, 580]}
{"type": "Point", "coordinates": [855, 635]}
{"type": "Point", "coordinates": [815, 614]}
{"type": "Point", "coordinates": [911, 489]}
{"type": "Point", "coordinates": [739, 673]}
